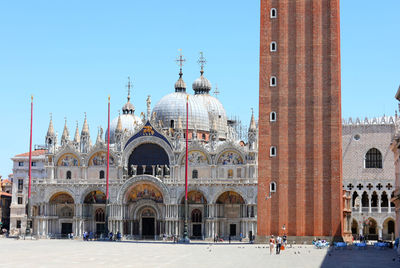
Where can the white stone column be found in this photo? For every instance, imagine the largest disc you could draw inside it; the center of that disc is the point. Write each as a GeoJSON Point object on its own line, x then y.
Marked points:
{"type": "Point", "coordinates": [369, 203]}
{"type": "Point", "coordinates": [380, 232]}
{"type": "Point", "coordinates": [379, 204]}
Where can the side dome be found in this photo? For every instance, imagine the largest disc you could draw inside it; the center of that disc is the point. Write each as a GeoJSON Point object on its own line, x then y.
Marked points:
{"type": "Point", "coordinates": [201, 85]}
{"type": "Point", "coordinates": [129, 122]}
{"type": "Point", "coordinates": [216, 112]}
{"type": "Point", "coordinates": [172, 107]}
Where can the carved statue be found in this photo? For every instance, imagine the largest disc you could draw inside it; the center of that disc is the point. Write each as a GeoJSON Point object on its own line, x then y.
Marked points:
{"type": "Point", "coordinates": [357, 202]}
{"type": "Point", "coordinates": [166, 170]}
{"type": "Point", "coordinates": [133, 170]}
{"type": "Point", "coordinates": [143, 117]}
{"type": "Point", "coordinates": [158, 170]}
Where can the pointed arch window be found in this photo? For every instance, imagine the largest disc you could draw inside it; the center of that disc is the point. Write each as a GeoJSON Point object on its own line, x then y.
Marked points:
{"type": "Point", "coordinates": [101, 174]}
{"type": "Point", "coordinates": [68, 175]}
{"type": "Point", "coordinates": [195, 174]}
{"type": "Point", "coordinates": [373, 158]}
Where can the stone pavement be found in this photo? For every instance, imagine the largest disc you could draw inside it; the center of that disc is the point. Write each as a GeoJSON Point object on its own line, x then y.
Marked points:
{"type": "Point", "coordinates": [69, 253]}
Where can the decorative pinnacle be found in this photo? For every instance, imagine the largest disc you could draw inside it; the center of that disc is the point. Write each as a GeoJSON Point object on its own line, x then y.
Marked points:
{"type": "Point", "coordinates": [202, 61]}
{"type": "Point", "coordinates": [129, 85]}
{"type": "Point", "coordinates": [180, 60]}
{"type": "Point", "coordinates": [216, 91]}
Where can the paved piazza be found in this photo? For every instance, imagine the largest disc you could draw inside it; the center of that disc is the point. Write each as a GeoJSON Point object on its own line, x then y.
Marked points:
{"type": "Point", "coordinates": [67, 253]}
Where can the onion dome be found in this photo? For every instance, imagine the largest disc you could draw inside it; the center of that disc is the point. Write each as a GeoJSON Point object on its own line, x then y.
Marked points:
{"type": "Point", "coordinates": [172, 107]}
{"type": "Point", "coordinates": [180, 85]}
{"type": "Point", "coordinates": [128, 108]}
{"type": "Point", "coordinates": [201, 85]}
{"type": "Point", "coordinates": [216, 112]}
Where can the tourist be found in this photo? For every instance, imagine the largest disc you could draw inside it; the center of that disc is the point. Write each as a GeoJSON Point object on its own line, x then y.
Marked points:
{"type": "Point", "coordinates": [271, 244]}
{"type": "Point", "coordinates": [119, 236]}
{"type": "Point", "coordinates": [278, 244]}
{"type": "Point", "coordinates": [284, 238]}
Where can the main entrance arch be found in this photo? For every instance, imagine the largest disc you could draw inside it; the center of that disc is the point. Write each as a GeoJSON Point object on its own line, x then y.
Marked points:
{"type": "Point", "coordinates": [145, 202]}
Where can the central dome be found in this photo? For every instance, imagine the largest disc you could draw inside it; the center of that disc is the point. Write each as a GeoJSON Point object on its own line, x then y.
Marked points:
{"type": "Point", "coordinates": [216, 112]}
{"type": "Point", "coordinates": [172, 108]}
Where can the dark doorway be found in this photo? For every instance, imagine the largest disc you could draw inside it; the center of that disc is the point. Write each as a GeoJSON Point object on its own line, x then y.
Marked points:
{"type": "Point", "coordinates": [232, 229]}
{"type": "Point", "coordinates": [197, 230]}
{"type": "Point", "coordinates": [390, 227]}
{"type": "Point", "coordinates": [100, 228]}
{"type": "Point", "coordinates": [148, 228]}
{"type": "Point", "coordinates": [66, 228]}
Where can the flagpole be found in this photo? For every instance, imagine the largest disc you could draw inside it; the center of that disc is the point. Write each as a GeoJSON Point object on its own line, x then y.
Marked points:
{"type": "Point", "coordinates": [185, 228]}
{"type": "Point", "coordinates": [108, 167]}
{"type": "Point", "coordinates": [30, 174]}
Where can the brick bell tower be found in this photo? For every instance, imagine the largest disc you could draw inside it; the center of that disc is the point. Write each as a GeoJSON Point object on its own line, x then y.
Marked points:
{"type": "Point", "coordinates": [300, 149]}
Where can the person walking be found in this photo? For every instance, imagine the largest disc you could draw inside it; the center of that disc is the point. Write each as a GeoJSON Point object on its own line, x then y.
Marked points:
{"type": "Point", "coordinates": [278, 244]}
{"type": "Point", "coordinates": [271, 244]}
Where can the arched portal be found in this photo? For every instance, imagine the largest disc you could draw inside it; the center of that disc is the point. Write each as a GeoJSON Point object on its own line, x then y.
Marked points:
{"type": "Point", "coordinates": [388, 229]}
{"type": "Point", "coordinates": [197, 208]}
{"type": "Point", "coordinates": [148, 223]}
{"type": "Point", "coordinates": [62, 206]}
{"type": "Point", "coordinates": [93, 210]}
{"type": "Point", "coordinates": [230, 209]}
{"type": "Point", "coordinates": [145, 203]}
{"type": "Point", "coordinates": [145, 158]}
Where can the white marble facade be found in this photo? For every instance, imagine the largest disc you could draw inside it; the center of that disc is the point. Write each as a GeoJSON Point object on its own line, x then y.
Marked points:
{"type": "Point", "coordinates": [146, 177]}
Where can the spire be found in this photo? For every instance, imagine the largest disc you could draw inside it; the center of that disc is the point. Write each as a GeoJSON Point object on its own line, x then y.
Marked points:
{"type": "Point", "coordinates": [50, 131]}
{"type": "Point", "coordinates": [85, 127]}
{"type": "Point", "coordinates": [253, 126]}
{"type": "Point", "coordinates": [180, 85]}
{"type": "Point", "coordinates": [128, 108]}
{"type": "Point", "coordinates": [99, 135]}
{"type": "Point", "coordinates": [65, 134]}
{"type": "Point", "coordinates": [77, 138]}
{"type": "Point", "coordinates": [119, 125]}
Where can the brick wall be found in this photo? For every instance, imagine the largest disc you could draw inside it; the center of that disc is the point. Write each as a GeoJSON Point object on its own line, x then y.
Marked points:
{"type": "Point", "coordinates": [307, 133]}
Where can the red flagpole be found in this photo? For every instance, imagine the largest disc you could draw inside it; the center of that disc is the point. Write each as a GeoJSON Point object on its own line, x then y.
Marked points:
{"type": "Point", "coordinates": [108, 148]}
{"type": "Point", "coordinates": [30, 152]}
{"type": "Point", "coordinates": [186, 156]}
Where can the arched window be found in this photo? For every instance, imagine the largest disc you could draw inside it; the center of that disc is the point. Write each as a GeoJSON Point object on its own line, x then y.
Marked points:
{"type": "Point", "coordinates": [99, 215]}
{"type": "Point", "coordinates": [101, 174]}
{"type": "Point", "coordinates": [272, 187]}
{"type": "Point", "coordinates": [69, 175]}
{"type": "Point", "coordinates": [172, 124]}
{"type": "Point", "coordinates": [203, 136]}
{"type": "Point", "coordinates": [273, 13]}
{"type": "Point", "coordinates": [272, 151]}
{"type": "Point", "coordinates": [196, 215]}
{"type": "Point", "coordinates": [195, 174]}
{"type": "Point", "coordinates": [272, 81]}
{"type": "Point", "coordinates": [272, 46]}
{"type": "Point", "coordinates": [373, 159]}
{"type": "Point", "coordinates": [272, 116]}
{"type": "Point", "coordinates": [230, 173]}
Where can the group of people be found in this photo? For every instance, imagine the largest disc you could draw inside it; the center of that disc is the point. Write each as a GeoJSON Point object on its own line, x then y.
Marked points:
{"type": "Point", "coordinates": [90, 236]}
{"type": "Point", "coordinates": [279, 244]}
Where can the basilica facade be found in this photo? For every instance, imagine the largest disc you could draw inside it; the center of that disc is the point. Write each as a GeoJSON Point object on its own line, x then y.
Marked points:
{"type": "Point", "coordinates": [147, 174]}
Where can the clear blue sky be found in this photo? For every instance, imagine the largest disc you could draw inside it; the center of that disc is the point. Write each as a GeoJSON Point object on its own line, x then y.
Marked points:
{"type": "Point", "coordinates": [71, 54]}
